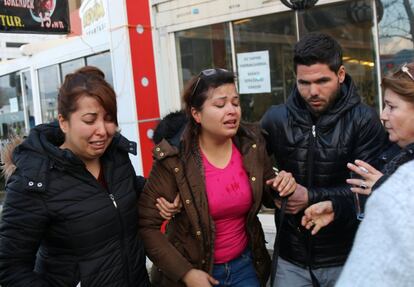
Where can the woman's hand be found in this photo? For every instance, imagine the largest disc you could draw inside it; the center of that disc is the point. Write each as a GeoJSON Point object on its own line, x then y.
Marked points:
{"type": "Point", "coordinates": [284, 183]}
{"type": "Point", "coordinates": [369, 176]}
{"type": "Point", "coordinates": [318, 215]}
{"type": "Point", "coordinates": [167, 209]}
{"type": "Point", "coordinates": [198, 278]}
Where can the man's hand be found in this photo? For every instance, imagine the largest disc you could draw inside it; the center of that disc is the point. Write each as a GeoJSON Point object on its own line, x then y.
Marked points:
{"type": "Point", "coordinates": [167, 209]}
{"type": "Point", "coordinates": [318, 215]}
{"type": "Point", "coordinates": [199, 278]}
{"type": "Point", "coordinates": [297, 201]}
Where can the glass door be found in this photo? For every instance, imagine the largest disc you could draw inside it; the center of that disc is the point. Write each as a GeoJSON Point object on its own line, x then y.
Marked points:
{"type": "Point", "coordinates": [264, 49]}
{"type": "Point", "coordinates": [351, 24]}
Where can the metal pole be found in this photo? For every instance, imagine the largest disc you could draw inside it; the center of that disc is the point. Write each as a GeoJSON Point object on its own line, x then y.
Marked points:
{"type": "Point", "coordinates": [375, 35]}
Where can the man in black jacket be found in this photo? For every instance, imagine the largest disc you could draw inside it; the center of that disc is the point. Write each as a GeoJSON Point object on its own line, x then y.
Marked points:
{"type": "Point", "coordinates": [322, 126]}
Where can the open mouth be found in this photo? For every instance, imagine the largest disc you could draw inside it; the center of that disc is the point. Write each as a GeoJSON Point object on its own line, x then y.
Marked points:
{"type": "Point", "coordinates": [230, 123]}
{"type": "Point", "coordinates": [97, 144]}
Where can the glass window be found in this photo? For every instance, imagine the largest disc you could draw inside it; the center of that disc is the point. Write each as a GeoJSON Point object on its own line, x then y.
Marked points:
{"type": "Point", "coordinates": [28, 93]}
{"type": "Point", "coordinates": [48, 89]}
{"type": "Point", "coordinates": [202, 48]}
{"type": "Point", "coordinates": [396, 40]}
{"type": "Point", "coordinates": [349, 22]}
{"type": "Point", "coordinates": [275, 38]}
{"type": "Point", "coordinates": [11, 107]}
{"type": "Point", "coordinates": [103, 62]}
{"type": "Point", "coordinates": [71, 66]}
{"type": "Point", "coordinates": [11, 113]}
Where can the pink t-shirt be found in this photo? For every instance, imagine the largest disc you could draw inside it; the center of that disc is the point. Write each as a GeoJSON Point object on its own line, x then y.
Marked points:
{"type": "Point", "coordinates": [229, 200]}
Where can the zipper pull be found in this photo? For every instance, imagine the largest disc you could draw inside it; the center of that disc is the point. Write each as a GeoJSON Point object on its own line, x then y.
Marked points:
{"type": "Point", "coordinates": [113, 200]}
{"type": "Point", "coordinates": [314, 131]}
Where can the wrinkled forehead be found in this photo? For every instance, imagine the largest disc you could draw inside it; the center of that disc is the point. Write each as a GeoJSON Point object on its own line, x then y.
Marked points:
{"type": "Point", "coordinates": [225, 91]}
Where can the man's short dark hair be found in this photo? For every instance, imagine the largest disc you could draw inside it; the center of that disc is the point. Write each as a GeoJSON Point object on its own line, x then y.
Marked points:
{"type": "Point", "coordinates": [318, 48]}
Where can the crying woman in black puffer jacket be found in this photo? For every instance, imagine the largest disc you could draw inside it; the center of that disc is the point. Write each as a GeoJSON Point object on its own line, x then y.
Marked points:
{"type": "Point", "coordinates": [70, 214]}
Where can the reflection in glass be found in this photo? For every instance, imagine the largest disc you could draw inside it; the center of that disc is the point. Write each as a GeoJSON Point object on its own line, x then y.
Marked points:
{"type": "Point", "coordinates": [103, 62]}
{"type": "Point", "coordinates": [276, 35]}
{"type": "Point", "coordinates": [48, 89]}
{"type": "Point", "coordinates": [71, 66]}
{"type": "Point", "coordinates": [202, 48]}
{"type": "Point", "coordinates": [396, 39]}
{"type": "Point", "coordinates": [350, 23]}
{"type": "Point", "coordinates": [11, 107]}
{"type": "Point", "coordinates": [11, 113]}
{"type": "Point", "coordinates": [28, 93]}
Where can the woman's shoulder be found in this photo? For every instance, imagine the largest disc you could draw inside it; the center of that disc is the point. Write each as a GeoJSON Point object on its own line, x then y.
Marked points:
{"type": "Point", "coordinates": [253, 130]}
{"type": "Point", "coordinates": [164, 150]}
{"type": "Point", "coordinates": [7, 149]}
{"type": "Point", "coordinates": [27, 173]}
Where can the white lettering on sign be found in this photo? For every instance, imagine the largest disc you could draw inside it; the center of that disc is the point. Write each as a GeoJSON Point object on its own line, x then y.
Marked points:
{"type": "Point", "coordinates": [29, 4]}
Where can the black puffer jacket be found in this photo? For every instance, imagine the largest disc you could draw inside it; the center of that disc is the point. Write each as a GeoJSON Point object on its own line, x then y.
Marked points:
{"type": "Point", "coordinates": [316, 152]}
{"type": "Point", "coordinates": [392, 158]}
{"type": "Point", "coordinates": [60, 226]}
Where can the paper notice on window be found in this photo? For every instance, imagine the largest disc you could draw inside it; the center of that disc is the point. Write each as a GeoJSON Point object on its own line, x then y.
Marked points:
{"type": "Point", "coordinates": [253, 72]}
{"type": "Point", "coordinates": [14, 105]}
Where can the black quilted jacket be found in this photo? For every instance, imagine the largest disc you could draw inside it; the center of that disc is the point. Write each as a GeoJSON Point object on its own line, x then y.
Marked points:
{"type": "Point", "coordinates": [316, 152]}
{"type": "Point", "coordinates": [393, 158]}
{"type": "Point", "coordinates": [60, 226]}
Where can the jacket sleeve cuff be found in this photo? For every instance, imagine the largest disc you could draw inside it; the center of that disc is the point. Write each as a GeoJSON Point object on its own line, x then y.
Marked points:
{"type": "Point", "coordinates": [312, 197]}
{"type": "Point", "coordinates": [379, 182]}
{"type": "Point", "coordinates": [179, 274]}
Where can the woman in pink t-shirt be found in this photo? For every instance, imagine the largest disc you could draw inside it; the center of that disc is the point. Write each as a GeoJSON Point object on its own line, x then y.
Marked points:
{"type": "Point", "coordinates": [221, 172]}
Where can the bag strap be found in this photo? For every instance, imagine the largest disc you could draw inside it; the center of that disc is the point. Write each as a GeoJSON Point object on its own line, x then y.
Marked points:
{"type": "Point", "coordinates": [276, 246]}
{"type": "Point", "coordinates": [315, 282]}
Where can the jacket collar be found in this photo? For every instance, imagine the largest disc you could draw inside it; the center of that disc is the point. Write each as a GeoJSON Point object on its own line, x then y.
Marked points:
{"type": "Point", "coordinates": [243, 139]}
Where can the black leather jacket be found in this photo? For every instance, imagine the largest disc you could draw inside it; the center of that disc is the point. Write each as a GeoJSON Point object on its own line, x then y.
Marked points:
{"type": "Point", "coordinates": [316, 152]}
{"type": "Point", "coordinates": [61, 226]}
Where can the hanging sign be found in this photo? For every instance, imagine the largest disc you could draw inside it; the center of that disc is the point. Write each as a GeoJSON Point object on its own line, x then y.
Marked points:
{"type": "Point", "coordinates": [93, 17]}
{"type": "Point", "coordinates": [34, 16]}
{"type": "Point", "coordinates": [253, 72]}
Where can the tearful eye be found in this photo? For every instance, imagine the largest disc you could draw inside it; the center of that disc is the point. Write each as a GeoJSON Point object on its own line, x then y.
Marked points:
{"type": "Point", "coordinates": [108, 118]}
{"type": "Point", "coordinates": [89, 122]}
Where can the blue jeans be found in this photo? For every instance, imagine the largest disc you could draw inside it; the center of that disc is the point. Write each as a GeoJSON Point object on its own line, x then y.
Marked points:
{"type": "Point", "coordinates": [238, 272]}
